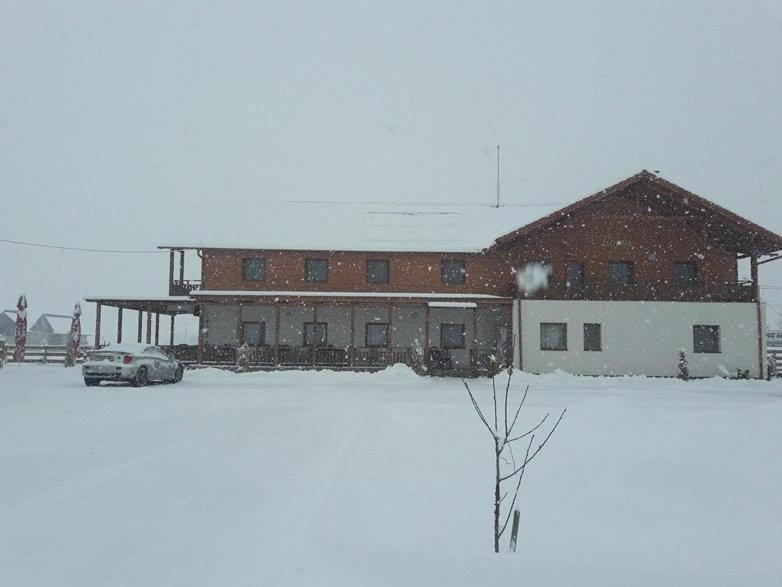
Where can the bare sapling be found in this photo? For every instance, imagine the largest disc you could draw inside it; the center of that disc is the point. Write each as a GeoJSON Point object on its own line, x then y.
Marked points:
{"type": "Point", "coordinates": [507, 470]}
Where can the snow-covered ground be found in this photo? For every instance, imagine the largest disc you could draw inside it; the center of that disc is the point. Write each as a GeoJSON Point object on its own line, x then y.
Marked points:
{"type": "Point", "coordinates": [382, 479]}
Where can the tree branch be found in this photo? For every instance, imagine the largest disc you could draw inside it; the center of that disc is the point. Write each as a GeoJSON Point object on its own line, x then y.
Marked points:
{"type": "Point", "coordinates": [478, 410]}
{"type": "Point", "coordinates": [518, 486]}
{"type": "Point", "coordinates": [528, 432]}
{"type": "Point", "coordinates": [537, 450]}
{"type": "Point", "coordinates": [521, 405]}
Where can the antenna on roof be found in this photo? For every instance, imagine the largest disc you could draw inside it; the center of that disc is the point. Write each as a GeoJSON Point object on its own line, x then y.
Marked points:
{"type": "Point", "coordinates": [498, 176]}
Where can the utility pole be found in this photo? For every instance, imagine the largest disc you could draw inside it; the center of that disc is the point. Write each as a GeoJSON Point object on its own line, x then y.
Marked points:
{"type": "Point", "coordinates": [498, 176]}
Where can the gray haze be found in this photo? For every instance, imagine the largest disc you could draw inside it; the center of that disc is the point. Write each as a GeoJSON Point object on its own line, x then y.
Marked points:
{"type": "Point", "coordinates": [114, 115]}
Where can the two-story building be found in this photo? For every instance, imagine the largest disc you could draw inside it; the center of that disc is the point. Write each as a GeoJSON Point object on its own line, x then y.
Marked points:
{"type": "Point", "coordinates": [635, 273]}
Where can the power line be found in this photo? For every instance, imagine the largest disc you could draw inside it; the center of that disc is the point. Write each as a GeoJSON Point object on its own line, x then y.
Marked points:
{"type": "Point", "coordinates": [81, 249]}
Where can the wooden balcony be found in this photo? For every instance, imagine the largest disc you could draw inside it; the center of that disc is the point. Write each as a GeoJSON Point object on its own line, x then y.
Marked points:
{"type": "Point", "coordinates": [183, 287]}
{"type": "Point", "coordinates": [741, 291]}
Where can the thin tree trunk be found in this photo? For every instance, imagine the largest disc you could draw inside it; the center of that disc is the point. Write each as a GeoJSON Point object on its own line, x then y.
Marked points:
{"type": "Point", "coordinates": [496, 496]}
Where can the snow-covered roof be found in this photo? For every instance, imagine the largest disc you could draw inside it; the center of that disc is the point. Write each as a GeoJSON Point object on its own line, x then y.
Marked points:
{"type": "Point", "coordinates": [341, 226]}
{"type": "Point", "coordinates": [344, 294]}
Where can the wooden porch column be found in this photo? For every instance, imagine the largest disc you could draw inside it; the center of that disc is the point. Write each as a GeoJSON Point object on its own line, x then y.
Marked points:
{"type": "Point", "coordinates": [149, 327]}
{"type": "Point", "coordinates": [277, 334]}
{"type": "Point", "coordinates": [352, 357]}
{"type": "Point", "coordinates": [157, 329]}
{"type": "Point", "coordinates": [426, 338]}
{"type": "Point", "coordinates": [389, 345]}
{"type": "Point", "coordinates": [314, 332]}
{"type": "Point", "coordinates": [97, 325]}
{"type": "Point", "coordinates": [474, 352]}
{"type": "Point", "coordinates": [753, 264]}
{"type": "Point", "coordinates": [239, 316]}
{"type": "Point", "coordinates": [171, 272]}
{"type": "Point", "coordinates": [140, 325]}
{"type": "Point", "coordinates": [200, 353]}
{"type": "Point", "coordinates": [181, 266]}
{"type": "Point", "coordinates": [119, 325]}
{"type": "Point", "coordinates": [171, 335]}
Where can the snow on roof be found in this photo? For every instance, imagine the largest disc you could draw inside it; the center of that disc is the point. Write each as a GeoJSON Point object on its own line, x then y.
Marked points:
{"type": "Point", "coordinates": [452, 305]}
{"type": "Point", "coordinates": [342, 226]}
{"type": "Point", "coordinates": [58, 322]}
{"type": "Point", "coordinates": [343, 294]}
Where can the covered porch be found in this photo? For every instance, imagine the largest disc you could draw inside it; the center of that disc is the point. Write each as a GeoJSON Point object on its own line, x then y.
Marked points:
{"type": "Point", "coordinates": [147, 313]}
{"type": "Point", "coordinates": [434, 333]}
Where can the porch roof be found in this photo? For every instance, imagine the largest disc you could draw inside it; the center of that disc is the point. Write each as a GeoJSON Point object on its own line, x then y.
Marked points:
{"type": "Point", "coordinates": [352, 296]}
{"type": "Point", "coordinates": [159, 305]}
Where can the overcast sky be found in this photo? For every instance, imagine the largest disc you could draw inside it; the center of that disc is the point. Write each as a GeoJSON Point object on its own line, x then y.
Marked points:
{"type": "Point", "coordinates": [115, 115]}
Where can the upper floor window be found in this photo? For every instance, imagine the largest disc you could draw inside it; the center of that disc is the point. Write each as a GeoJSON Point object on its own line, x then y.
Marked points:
{"type": "Point", "coordinates": [253, 269]}
{"type": "Point", "coordinates": [377, 271]}
{"type": "Point", "coordinates": [705, 339]}
{"type": "Point", "coordinates": [553, 336]}
{"type": "Point", "coordinates": [685, 273]}
{"type": "Point", "coordinates": [621, 273]}
{"type": "Point", "coordinates": [452, 336]}
{"type": "Point", "coordinates": [453, 271]}
{"type": "Point", "coordinates": [575, 280]}
{"type": "Point", "coordinates": [316, 270]}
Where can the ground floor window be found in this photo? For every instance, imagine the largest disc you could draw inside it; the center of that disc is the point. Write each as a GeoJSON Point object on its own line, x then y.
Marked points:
{"type": "Point", "coordinates": [553, 336]}
{"type": "Point", "coordinates": [376, 334]}
{"type": "Point", "coordinates": [452, 336]}
{"type": "Point", "coordinates": [593, 337]}
{"type": "Point", "coordinates": [253, 333]}
{"type": "Point", "coordinates": [315, 333]}
{"type": "Point", "coordinates": [706, 338]}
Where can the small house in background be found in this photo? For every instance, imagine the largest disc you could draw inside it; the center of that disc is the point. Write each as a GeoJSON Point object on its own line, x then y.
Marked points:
{"type": "Point", "coordinates": [51, 330]}
{"type": "Point", "coordinates": [7, 324]}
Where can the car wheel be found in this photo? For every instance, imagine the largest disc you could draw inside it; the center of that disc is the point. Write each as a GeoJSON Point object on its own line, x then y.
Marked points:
{"type": "Point", "coordinates": [142, 377]}
{"type": "Point", "coordinates": [91, 381]}
{"type": "Point", "coordinates": [179, 374]}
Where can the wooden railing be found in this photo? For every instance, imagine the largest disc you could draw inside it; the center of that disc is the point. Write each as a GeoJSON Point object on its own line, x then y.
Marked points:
{"type": "Point", "coordinates": [740, 291]}
{"type": "Point", "coordinates": [42, 354]}
{"type": "Point", "coordinates": [440, 361]}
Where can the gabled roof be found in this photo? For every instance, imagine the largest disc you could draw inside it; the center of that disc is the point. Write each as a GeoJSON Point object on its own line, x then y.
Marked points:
{"type": "Point", "coordinates": [763, 240]}
{"type": "Point", "coordinates": [350, 226]}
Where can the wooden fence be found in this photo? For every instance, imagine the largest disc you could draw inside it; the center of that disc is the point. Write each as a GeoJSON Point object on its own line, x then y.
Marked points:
{"type": "Point", "coordinates": [775, 354]}
{"type": "Point", "coordinates": [42, 354]}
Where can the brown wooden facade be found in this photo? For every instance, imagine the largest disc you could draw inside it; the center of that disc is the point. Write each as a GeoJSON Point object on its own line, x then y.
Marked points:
{"type": "Point", "coordinates": [644, 223]}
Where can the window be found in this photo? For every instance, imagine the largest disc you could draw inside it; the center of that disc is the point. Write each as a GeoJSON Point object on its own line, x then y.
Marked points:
{"type": "Point", "coordinates": [685, 273]}
{"type": "Point", "coordinates": [620, 273]}
{"type": "Point", "coordinates": [253, 269]}
{"type": "Point", "coordinates": [452, 336]}
{"type": "Point", "coordinates": [315, 333]}
{"type": "Point", "coordinates": [453, 271]}
{"type": "Point", "coordinates": [253, 333]}
{"type": "Point", "coordinates": [316, 270]}
{"type": "Point", "coordinates": [377, 334]}
{"type": "Point", "coordinates": [377, 271]}
{"type": "Point", "coordinates": [705, 339]}
{"type": "Point", "coordinates": [593, 337]}
{"type": "Point", "coordinates": [575, 280]}
{"type": "Point", "coordinates": [553, 336]}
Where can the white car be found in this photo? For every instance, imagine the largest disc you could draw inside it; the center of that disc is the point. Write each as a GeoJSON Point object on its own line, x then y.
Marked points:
{"type": "Point", "coordinates": [138, 364]}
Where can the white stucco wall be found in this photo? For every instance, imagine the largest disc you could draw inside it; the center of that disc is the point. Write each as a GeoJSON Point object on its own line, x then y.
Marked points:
{"type": "Point", "coordinates": [641, 338]}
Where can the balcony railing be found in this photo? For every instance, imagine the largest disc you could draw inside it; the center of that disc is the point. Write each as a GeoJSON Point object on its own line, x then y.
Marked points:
{"type": "Point", "coordinates": [741, 291]}
{"type": "Point", "coordinates": [183, 287]}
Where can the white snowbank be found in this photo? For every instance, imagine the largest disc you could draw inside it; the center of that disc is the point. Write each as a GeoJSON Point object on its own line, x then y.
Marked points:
{"type": "Point", "coordinates": [322, 478]}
